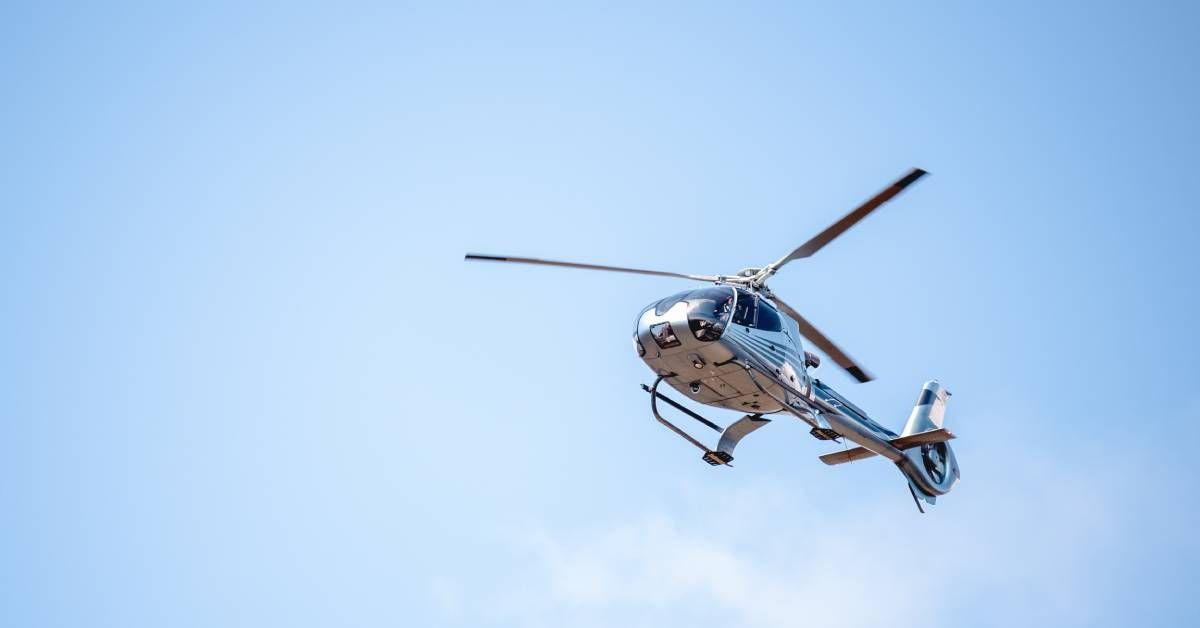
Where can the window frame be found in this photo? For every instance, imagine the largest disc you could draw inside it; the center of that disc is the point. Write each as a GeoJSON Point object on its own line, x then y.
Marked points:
{"type": "Point", "coordinates": [753, 305]}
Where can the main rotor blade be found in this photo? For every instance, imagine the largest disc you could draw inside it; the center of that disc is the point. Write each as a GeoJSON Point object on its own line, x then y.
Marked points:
{"type": "Point", "coordinates": [617, 269]}
{"type": "Point", "coordinates": [849, 220]}
{"type": "Point", "coordinates": [823, 343]}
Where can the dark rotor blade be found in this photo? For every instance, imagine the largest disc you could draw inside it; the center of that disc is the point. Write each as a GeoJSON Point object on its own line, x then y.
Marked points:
{"type": "Point", "coordinates": [823, 343]}
{"type": "Point", "coordinates": [618, 269]}
{"type": "Point", "coordinates": [849, 220]}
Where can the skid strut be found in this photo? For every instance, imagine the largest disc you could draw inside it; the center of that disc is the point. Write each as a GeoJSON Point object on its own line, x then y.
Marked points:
{"type": "Point", "coordinates": [821, 429]}
{"type": "Point", "coordinates": [730, 436]}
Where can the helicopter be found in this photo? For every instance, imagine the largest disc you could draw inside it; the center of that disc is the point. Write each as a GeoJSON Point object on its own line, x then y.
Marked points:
{"type": "Point", "coordinates": [734, 344]}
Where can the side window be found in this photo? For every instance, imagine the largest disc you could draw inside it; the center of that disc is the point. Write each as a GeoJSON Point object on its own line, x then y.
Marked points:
{"type": "Point", "coordinates": [743, 311]}
{"type": "Point", "coordinates": [768, 318]}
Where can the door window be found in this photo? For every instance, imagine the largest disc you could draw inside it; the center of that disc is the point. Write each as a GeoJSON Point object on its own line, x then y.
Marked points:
{"type": "Point", "coordinates": [768, 318]}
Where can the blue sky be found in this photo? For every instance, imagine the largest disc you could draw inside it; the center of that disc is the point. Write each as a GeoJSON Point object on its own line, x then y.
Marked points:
{"type": "Point", "coordinates": [249, 380]}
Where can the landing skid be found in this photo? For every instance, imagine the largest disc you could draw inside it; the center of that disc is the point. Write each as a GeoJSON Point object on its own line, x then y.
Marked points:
{"type": "Point", "coordinates": [730, 435]}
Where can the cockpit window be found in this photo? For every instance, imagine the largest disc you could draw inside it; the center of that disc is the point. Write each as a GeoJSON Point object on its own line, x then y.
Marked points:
{"type": "Point", "coordinates": [720, 300]}
{"type": "Point", "coordinates": [768, 318]}
{"type": "Point", "coordinates": [708, 312]}
{"type": "Point", "coordinates": [662, 306]}
{"type": "Point", "coordinates": [743, 312]}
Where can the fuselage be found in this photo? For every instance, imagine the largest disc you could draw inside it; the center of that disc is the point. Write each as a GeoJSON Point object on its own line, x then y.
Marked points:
{"type": "Point", "coordinates": [707, 336]}
{"type": "Point", "coordinates": [730, 348]}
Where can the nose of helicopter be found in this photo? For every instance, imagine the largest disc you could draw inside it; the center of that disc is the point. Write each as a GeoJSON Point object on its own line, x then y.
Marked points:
{"type": "Point", "coordinates": [683, 330]}
{"type": "Point", "coordinates": [665, 333]}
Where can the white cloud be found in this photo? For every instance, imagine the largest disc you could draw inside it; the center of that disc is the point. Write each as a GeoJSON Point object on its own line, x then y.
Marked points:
{"type": "Point", "coordinates": [445, 596]}
{"type": "Point", "coordinates": [1024, 538]}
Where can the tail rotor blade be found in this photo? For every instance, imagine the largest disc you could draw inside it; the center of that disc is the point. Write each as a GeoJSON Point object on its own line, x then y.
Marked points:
{"type": "Point", "coordinates": [823, 343]}
{"type": "Point", "coordinates": [616, 269]}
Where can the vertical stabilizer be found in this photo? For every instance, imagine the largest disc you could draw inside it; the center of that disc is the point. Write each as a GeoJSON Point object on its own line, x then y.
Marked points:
{"type": "Point", "coordinates": [931, 468]}
{"type": "Point", "coordinates": [930, 410]}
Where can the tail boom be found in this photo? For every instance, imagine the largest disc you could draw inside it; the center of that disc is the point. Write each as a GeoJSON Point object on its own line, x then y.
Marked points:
{"type": "Point", "coordinates": [921, 451]}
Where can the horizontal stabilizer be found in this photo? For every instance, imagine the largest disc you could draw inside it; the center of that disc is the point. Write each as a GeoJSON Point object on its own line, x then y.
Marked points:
{"type": "Point", "coordinates": [849, 455]}
{"type": "Point", "coordinates": [940, 435]}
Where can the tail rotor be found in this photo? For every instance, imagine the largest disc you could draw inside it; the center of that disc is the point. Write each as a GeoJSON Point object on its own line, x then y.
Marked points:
{"type": "Point", "coordinates": [931, 469]}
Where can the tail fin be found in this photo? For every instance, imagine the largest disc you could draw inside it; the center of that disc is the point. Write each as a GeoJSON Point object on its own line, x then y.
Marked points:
{"type": "Point", "coordinates": [931, 469]}
{"type": "Point", "coordinates": [929, 411]}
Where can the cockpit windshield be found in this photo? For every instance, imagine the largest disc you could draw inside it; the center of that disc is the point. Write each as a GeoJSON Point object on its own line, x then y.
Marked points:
{"type": "Point", "coordinates": [662, 306]}
{"type": "Point", "coordinates": [747, 304]}
{"type": "Point", "coordinates": [709, 311]}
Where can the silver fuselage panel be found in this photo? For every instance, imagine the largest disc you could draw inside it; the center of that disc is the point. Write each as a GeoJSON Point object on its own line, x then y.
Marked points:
{"type": "Point", "coordinates": [713, 372]}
